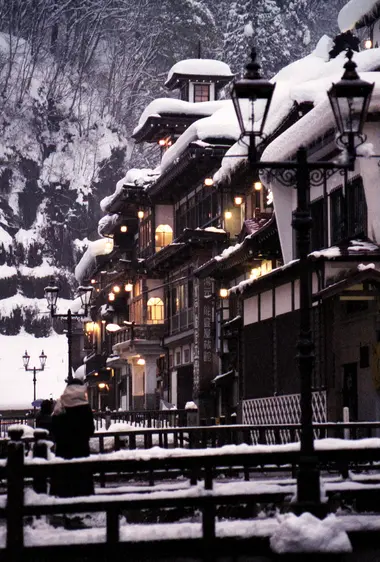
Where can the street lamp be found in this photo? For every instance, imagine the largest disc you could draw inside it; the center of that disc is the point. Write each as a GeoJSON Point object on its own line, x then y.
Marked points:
{"type": "Point", "coordinates": [51, 295]}
{"type": "Point", "coordinates": [34, 370]}
{"type": "Point", "coordinates": [350, 99]}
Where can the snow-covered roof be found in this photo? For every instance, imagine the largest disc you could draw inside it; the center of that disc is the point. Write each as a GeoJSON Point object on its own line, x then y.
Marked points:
{"type": "Point", "coordinates": [354, 11]}
{"type": "Point", "coordinates": [100, 247]}
{"type": "Point", "coordinates": [221, 125]}
{"type": "Point", "coordinates": [135, 177]}
{"type": "Point", "coordinates": [200, 67]}
{"type": "Point", "coordinates": [321, 118]}
{"type": "Point", "coordinates": [354, 247]}
{"type": "Point", "coordinates": [169, 106]}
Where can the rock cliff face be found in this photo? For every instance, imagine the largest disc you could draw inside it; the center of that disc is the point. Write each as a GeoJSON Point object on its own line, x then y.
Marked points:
{"type": "Point", "coordinates": [74, 78]}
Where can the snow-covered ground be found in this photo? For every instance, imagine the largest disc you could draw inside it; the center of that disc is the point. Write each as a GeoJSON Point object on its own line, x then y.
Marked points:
{"type": "Point", "coordinates": [16, 384]}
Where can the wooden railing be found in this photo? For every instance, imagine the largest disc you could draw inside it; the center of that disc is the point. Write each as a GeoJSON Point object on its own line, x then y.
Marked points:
{"type": "Point", "coordinates": [139, 331]}
{"type": "Point", "coordinates": [166, 434]}
{"type": "Point", "coordinates": [143, 418]}
{"type": "Point", "coordinates": [6, 421]}
{"type": "Point", "coordinates": [195, 466]}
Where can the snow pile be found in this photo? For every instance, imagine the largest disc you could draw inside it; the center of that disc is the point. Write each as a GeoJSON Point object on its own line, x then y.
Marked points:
{"type": "Point", "coordinates": [169, 106]}
{"type": "Point", "coordinates": [366, 150]}
{"type": "Point", "coordinates": [362, 246]}
{"type": "Point", "coordinates": [228, 252]}
{"type": "Point", "coordinates": [191, 406]}
{"type": "Point", "coordinates": [100, 247]}
{"type": "Point", "coordinates": [354, 11]}
{"type": "Point", "coordinates": [362, 267]}
{"type": "Point", "coordinates": [306, 533]}
{"type": "Point", "coordinates": [200, 67]}
{"type": "Point", "coordinates": [107, 223]}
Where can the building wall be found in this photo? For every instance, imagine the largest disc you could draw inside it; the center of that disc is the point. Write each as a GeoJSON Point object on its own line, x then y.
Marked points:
{"type": "Point", "coordinates": [164, 215]}
{"type": "Point", "coordinates": [359, 329]}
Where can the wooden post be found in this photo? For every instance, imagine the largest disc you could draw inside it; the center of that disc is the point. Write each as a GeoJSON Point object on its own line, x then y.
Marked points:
{"type": "Point", "coordinates": [208, 477]}
{"type": "Point", "coordinates": [40, 450]}
{"type": "Point", "coordinates": [132, 441]}
{"type": "Point", "coordinates": [208, 520]}
{"type": "Point", "coordinates": [192, 415]}
{"type": "Point", "coordinates": [113, 526]}
{"type": "Point", "coordinates": [15, 496]}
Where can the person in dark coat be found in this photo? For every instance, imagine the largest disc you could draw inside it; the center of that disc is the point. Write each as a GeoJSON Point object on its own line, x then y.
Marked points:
{"type": "Point", "coordinates": [43, 417]}
{"type": "Point", "coordinates": [72, 427]}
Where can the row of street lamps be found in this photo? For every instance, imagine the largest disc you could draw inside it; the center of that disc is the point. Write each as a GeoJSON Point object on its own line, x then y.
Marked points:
{"type": "Point", "coordinates": [349, 99]}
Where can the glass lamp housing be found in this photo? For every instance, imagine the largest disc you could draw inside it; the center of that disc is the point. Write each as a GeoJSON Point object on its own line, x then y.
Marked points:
{"type": "Point", "coordinates": [51, 295]}
{"type": "Point", "coordinates": [251, 91]}
{"type": "Point", "coordinates": [350, 99]}
{"type": "Point", "coordinates": [26, 359]}
{"type": "Point", "coordinates": [85, 295]}
{"type": "Point", "coordinates": [42, 359]}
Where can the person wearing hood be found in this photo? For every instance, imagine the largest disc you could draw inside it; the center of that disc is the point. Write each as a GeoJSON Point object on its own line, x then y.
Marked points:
{"type": "Point", "coordinates": [72, 427]}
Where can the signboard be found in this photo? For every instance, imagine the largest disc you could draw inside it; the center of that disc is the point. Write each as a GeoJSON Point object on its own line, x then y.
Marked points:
{"type": "Point", "coordinates": [202, 318]}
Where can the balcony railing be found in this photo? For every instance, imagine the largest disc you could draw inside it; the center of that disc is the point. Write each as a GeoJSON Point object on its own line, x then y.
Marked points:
{"type": "Point", "coordinates": [132, 332]}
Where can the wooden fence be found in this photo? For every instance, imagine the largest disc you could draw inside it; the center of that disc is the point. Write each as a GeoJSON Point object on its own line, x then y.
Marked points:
{"type": "Point", "coordinates": [195, 466]}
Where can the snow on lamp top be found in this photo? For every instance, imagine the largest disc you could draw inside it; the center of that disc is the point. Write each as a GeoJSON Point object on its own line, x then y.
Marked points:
{"type": "Point", "coordinates": [352, 14]}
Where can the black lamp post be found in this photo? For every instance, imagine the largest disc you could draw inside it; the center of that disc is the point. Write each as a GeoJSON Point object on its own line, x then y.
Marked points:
{"type": "Point", "coordinates": [350, 99]}
{"type": "Point", "coordinates": [34, 370]}
{"type": "Point", "coordinates": [51, 295]}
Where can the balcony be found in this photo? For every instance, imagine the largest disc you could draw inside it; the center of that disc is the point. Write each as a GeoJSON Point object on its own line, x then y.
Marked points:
{"type": "Point", "coordinates": [138, 338]}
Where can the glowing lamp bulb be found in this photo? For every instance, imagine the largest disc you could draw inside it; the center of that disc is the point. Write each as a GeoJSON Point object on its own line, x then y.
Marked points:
{"type": "Point", "coordinates": [238, 200]}
{"type": "Point", "coordinates": [223, 293]}
{"type": "Point", "coordinates": [162, 142]}
{"type": "Point", "coordinates": [123, 228]}
{"type": "Point", "coordinates": [368, 44]}
{"type": "Point", "coordinates": [128, 287]}
{"type": "Point", "coordinates": [140, 214]}
{"type": "Point", "coordinates": [109, 247]}
{"type": "Point", "coordinates": [93, 281]}
{"type": "Point", "coordinates": [111, 297]}
{"type": "Point", "coordinates": [227, 215]}
{"type": "Point", "coordinates": [116, 289]}
{"type": "Point", "coordinates": [208, 182]}
{"type": "Point", "coordinates": [140, 361]}
{"type": "Point", "coordinates": [258, 186]}
{"type": "Point", "coordinates": [102, 385]}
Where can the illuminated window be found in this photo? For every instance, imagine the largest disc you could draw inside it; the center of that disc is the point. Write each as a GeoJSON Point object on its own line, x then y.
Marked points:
{"type": "Point", "coordinates": [164, 236]}
{"type": "Point", "coordinates": [201, 92]}
{"type": "Point", "coordinates": [155, 310]}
